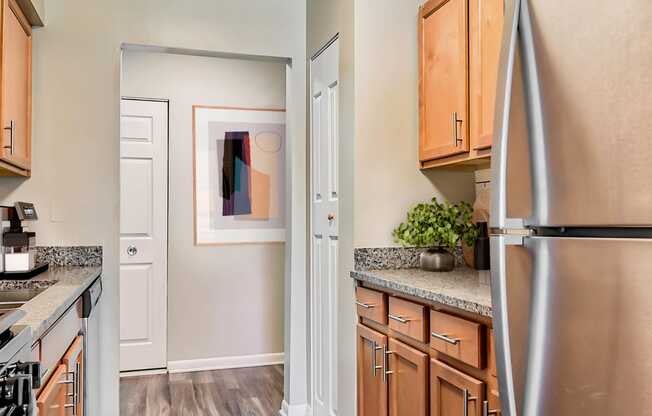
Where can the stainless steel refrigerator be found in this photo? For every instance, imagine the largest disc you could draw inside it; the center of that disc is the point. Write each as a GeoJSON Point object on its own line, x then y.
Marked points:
{"type": "Point", "coordinates": [572, 209]}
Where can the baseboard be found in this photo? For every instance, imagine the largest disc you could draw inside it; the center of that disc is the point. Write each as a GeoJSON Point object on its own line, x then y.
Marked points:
{"type": "Point", "coordinates": [139, 373]}
{"type": "Point", "coordinates": [294, 410]}
{"type": "Point", "coordinates": [218, 363]}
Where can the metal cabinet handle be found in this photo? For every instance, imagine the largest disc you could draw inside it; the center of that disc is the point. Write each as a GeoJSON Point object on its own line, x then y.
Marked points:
{"type": "Point", "coordinates": [456, 140]}
{"type": "Point", "coordinates": [364, 305]}
{"type": "Point", "coordinates": [374, 366]}
{"type": "Point", "coordinates": [132, 250]}
{"type": "Point", "coordinates": [467, 398]}
{"type": "Point", "coordinates": [386, 371]}
{"type": "Point", "coordinates": [398, 318]}
{"type": "Point", "coordinates": [75, 386]}
{"type": "Point", "coordinates": [486, 411]}
{"type": "Point", "coordinates": [445, 338]}
{"type": "Point", "coordinates": [12, 136]}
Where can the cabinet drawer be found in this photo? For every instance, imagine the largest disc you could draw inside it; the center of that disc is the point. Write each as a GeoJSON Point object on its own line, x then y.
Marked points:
{"type": "Point", "coordinates": [56, 341]}
{"type": "Point", "coordinates": [371, 304]}
{"type": "Point", "coordinates": [457, 337]}
{"type": "Point", "coordinates": [408, 318]}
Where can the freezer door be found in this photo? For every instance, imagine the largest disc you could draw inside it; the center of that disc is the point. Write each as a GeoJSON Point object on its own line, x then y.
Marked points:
{"type": "Point", "coordinates": [574, 326]}
{"type": "Point", "coordinates": [584, 66]}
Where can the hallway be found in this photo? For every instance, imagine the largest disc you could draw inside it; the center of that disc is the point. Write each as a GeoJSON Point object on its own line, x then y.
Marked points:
{"type": "Point", "coordinates": [256, 391]}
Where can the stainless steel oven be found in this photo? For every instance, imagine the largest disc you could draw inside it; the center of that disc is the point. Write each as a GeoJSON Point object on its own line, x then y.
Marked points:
{"type": "Point", "coordinates": [19, 377]}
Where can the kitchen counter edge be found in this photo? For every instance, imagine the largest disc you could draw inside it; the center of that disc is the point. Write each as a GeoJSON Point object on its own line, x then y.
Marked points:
{"type": "Point", "coordinates": [463, 288]}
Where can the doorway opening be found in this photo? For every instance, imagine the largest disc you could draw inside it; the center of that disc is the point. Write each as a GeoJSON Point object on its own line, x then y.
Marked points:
{"type": "Point", "coordinates": [224, 300]}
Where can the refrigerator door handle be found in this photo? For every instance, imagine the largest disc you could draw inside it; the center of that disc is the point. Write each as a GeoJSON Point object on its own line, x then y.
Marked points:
{"type": "Point", "coordinates": [501, 319]}
{"type": "Point", "coordinates": [498, 217]}
{"type": "Point", "coordinates": [535, 120]}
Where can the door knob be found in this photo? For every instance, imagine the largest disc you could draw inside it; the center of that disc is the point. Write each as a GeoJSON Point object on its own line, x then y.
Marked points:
{"type": "Point", "coordinates": [132, 250]}
{"type": "Point", "coordinates": [331, 217]}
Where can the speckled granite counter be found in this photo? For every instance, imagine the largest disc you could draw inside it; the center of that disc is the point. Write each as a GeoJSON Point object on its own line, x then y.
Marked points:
{"type": "Point", "coordinates": [462, 288]}
{"type": "Point", "coordinates": [64, 285]}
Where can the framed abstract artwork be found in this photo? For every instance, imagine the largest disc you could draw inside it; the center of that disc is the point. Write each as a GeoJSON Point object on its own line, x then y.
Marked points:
{"type": "Point", "coordinates": [239, 175]}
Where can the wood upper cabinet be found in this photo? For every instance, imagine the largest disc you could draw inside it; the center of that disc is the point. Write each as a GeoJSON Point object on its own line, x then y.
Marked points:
{"type": "Point", "coordinates": [52, 399]}
{"type": "Point", "coordinates": [372, 390]}
{"type": "Point", "coordinates": [16, 91]}
{"type": "Point", "coordinates": [443, 79]}
{"type": "Point", "coordinates": [450, 388]}
{"type": "Point", "coordinates": [459, 52]}
{"type": "Point", "coordinates": [408, 378]}
{"type": "Point", "coordinates": [74, 362]}
{"type": "Point", "coordinates": [486, 26]}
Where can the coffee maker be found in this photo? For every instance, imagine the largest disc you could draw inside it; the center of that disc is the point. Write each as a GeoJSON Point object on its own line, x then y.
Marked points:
{"type": "Point", "coordinates": [18, 250]}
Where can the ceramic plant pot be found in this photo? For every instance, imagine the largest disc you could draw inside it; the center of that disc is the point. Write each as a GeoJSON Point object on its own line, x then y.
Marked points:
{"type": "Point", "coordinates": [436, 260]}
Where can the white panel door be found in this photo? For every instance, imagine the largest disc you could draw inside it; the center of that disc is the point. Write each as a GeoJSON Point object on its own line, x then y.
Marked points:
{"type": "Point", "coordinates": [324, 235]}
{"type": "Point", "coordinates": [143, 234]}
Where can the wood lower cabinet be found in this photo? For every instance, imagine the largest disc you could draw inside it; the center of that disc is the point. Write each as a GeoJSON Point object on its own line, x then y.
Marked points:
{"type": "Point", "coordinates": [52, 400]}
{"type": "Point", "coordinates": [15, 91]}
{"type": "Point", "coordinates": [372, 388]}
{"type": "Point", "coordinates": [400, 374]}
{"type": "Point", "coordinates": [408, 374]}
{"type": "Point", "coordinates": [452, 391]}
{"type": "Point", "coordinates": [74, 362]}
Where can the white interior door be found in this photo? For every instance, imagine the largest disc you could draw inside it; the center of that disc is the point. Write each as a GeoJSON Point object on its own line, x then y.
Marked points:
{"type": "Point", "coordinates": [324, 72]}
{"type": "Point", "coordinates": [143, 234]}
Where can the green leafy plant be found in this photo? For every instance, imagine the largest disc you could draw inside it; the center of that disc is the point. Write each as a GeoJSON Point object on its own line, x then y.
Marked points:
{"type": "Point", "coordinates": [433, 223]}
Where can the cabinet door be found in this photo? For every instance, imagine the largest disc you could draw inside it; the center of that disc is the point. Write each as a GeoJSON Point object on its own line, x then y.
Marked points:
{"type": "Point", "coordinates": [52, 400]}
{"type": "Point", "coordinates": [408, 380]}
{"type": "Point", "coordinates": [73, 359]}
{"type": "Point", "coordinates": [15, 108]}
{"type": "Point", "coordinates": [372, 390]}
{"type": "Point", "coordinates": [450, 388]}
{"type": "Point", "coordinates": [486, 17]}
{"type": "Point", "coordinates": [443, 79]}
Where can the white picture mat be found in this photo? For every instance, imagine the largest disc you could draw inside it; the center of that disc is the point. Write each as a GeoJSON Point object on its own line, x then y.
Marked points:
{"type": "Point", "coordinates": [204, 234]}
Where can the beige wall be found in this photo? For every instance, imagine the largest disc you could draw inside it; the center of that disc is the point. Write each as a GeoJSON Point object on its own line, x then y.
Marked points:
{"type": "Point", "coordinates": [387, 180]}
{"type": "Point", "coordinates": [379, 132]}
{"type": "Point", "coordinates": [76, 74]}
{"type": "Point", "coordinates": [220, 289]}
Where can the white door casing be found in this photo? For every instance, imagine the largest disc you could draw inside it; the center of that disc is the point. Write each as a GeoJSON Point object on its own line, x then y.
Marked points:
{"type": "Point", "coordinates": [143, 234]}
{"type": "Point", "coordinates": [324, 110]}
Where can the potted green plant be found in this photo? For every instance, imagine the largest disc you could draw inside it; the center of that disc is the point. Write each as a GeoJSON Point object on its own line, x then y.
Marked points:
{"type": "Point", "coordinates": [439, 227]}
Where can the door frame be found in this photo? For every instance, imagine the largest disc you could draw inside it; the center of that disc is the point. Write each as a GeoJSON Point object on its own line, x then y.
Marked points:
{"type": "Point", "coordinates": [167, 225]}
{"type": "Point", "coordinates": [309, 254]}
{"type": "Point", "coordinates": [296, 331]}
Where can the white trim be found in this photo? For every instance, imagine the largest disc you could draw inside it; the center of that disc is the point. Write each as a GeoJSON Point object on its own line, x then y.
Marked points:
{"type": "Point", "coordinates": [138, 373]}
{"type": "Point", "coordinates": [219, 363]}
{"type": "Point", "coordinates": [294, 410]}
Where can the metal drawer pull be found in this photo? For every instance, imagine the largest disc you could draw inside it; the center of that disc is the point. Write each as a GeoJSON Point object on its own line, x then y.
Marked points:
{"type": "Point", "coordinates": [486, 411]}
{"type": "Point", "coordinates": [445, 338]}
{"type": "Point", "coordinates": [398, 318]}
{"type": "Point", "coordinates": [386, 371]}
{"type": "Point", "coordinates": [374, 366]}
{"type": "Point", "coordinates": [364, 305]}
{"type": "Point", "coordinates": [456, 140]}
{"type": "Point", "coordinates": [467, 399]}
{"type": "Point", "coordinates": [12, 135]}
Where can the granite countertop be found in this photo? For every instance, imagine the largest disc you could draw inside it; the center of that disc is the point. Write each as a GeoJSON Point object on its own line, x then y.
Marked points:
{"type": "Point", "coordinates": [65, 284]}
{"type": "Point", "coordinates": [463, 288]}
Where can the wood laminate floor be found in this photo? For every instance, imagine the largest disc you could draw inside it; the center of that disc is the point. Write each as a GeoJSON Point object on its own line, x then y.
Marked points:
{"type": "Point", "coordinates": [256, 391]}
